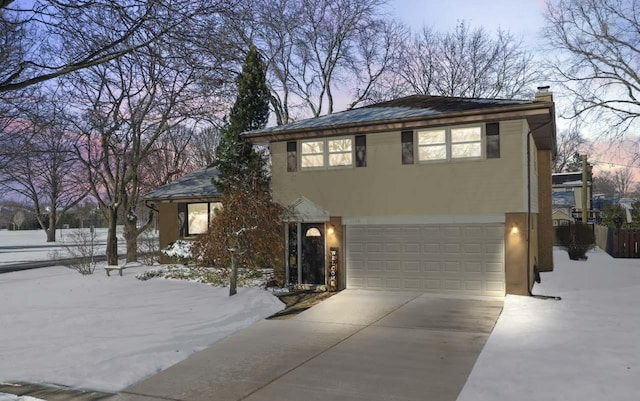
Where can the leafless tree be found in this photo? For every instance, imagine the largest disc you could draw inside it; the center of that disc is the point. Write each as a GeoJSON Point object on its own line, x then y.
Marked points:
{"type": "Point", "coordinates": [133, 103]}
{"type": "Point", "coordinates": [169, 158]}
{"type": "Point", "coordinates": [597, 59]}
{"type": "Point", "coordinates": [35, 36]}
{"type": "Point", "coordinates": [45, 169]}
{"type": "Point", "coordinates": [203, 146]}
{"type": "Point", "coordinates": [18, 219]}
{"type": "Point", "coordinates": [312, 47]}
{"type": "Point", "coordinates": [603, 182]}
{"type": "Point", "coordinates": [466, 62]}
{"type": "Point", "coordinates": [570, 144]}
{"type": "Point", "coordinates": [623, 180]}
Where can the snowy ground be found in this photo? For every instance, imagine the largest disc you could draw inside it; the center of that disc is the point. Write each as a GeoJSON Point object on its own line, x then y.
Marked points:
{"type": "Point", "coordinates": [32, 245]}
{"type": "Point", "coordinates": [584, 347]}
{"type": "Point", "coordinates": [106, 333]}
{"type": "Point", "coordinates": [102, 333]}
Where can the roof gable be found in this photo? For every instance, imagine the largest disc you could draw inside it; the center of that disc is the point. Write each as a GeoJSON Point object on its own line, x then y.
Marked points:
{"type": "Point", "coordinates": [303, 210]}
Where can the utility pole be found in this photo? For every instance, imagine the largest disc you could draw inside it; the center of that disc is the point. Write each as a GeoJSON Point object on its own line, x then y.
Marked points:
{"type": "Point", "coordinates": [585, 209]}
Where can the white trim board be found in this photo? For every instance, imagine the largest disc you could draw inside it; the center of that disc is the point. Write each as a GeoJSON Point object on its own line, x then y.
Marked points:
{"type": "Point", "coordinates": [424, 219]}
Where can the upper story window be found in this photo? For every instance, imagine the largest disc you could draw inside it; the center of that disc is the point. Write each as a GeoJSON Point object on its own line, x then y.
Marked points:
{"type": "Point", "coordinates": [340, 152]}
{"type": "Point", "coordinates": [450, 143]}
{"type": "Point", "coordinates": [312, 154]}
{"type": "Point", "coordinates": [326, 153]}
{"type": "Point", "coordinates": [466, 142]}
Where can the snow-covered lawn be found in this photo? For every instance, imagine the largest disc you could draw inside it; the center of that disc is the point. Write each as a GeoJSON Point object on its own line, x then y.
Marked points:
{"type": "Point", "coordinates": [584, 347]}
{"type": "Point", "coordinates": [106, 333]}
{"type": "Point", "coordinates": [32, 245]}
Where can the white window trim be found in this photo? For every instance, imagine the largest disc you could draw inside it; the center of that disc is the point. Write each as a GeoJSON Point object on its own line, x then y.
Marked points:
{"type": "Point", "coordinates": [448, 143]}
{"type": "Point", "coordinates": [326, 153]}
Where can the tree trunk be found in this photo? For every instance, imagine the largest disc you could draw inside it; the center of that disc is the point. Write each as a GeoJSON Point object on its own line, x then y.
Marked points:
{"type": "Point", "coordinates": [112, 237]}
{"type": "Point", "coordinates": [131, 237]}
{"type": "Point", "coordinates": [51, 230]}
{"type": "Point", "coordinates": [233, 282]}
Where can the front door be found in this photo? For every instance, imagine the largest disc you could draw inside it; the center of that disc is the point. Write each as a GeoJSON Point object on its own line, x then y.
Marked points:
{"type": "Point", "coordinates": [313, 271]}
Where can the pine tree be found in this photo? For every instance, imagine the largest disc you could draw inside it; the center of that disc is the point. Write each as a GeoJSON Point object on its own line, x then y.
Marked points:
{"type": "Point", "coordinates": [236, 160]}
{"type": "Point", "coordinates": [247, 231]}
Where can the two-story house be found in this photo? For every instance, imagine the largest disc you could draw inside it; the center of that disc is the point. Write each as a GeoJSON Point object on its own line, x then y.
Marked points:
{"type": "Point", "coordinates": [420, 193]}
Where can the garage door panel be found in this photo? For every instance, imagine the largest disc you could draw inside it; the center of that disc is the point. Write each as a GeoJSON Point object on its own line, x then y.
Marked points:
{"type": "Point", "coordinates": [449, 258]}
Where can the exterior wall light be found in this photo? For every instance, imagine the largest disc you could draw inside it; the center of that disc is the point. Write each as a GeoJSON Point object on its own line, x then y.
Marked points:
{"type": "Point", "coordinates": [515, 229]}
{"type": "Point", "coordinates": [330, 229]}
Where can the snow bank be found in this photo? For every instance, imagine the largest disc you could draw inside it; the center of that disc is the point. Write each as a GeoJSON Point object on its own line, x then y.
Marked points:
{"type": "Point", "coordinates": [107, 333]}
{"type": "Point", "coordinates": [584, 347]}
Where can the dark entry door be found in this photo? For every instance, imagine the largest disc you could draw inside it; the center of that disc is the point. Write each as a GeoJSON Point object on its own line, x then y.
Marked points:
{"type": "Point", "coordinates": [313, 253]}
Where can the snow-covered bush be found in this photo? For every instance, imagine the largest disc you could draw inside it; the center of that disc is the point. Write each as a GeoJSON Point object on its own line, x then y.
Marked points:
{"type": "Point", "coordinates": [180, 250]}
{"type": "Point", "coordinates": [210, 275]}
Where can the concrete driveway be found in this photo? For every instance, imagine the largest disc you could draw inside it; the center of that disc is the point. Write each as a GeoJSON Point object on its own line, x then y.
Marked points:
{"type": "Point", "coordinates": [357, 345]}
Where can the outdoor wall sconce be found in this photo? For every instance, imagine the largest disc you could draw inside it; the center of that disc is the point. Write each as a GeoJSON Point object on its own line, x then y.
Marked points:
{"type": "Point", "coordinates": [515, 229]}
{"type": "Point", "coordinates": [330, 229]}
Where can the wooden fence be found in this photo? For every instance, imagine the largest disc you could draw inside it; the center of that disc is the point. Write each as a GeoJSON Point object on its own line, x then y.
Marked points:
{"type": "Point", "coordinates": [618, 242]}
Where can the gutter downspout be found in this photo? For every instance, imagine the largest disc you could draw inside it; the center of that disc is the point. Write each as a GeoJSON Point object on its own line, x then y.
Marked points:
{"type": "Point", "coordinates": [528, 139]}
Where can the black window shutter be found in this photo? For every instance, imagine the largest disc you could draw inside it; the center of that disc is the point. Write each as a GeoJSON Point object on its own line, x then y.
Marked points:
{"type": "Point", "coordinates": [182, 220]}
{"type": "Point", "coordinates": [361, 151]}
{"type": "Point", "coordinates": [493, 140]}
{"type": "Point", "coordinates": [292, 156]}
{"type": "Point", "coordinates": [407, 147]}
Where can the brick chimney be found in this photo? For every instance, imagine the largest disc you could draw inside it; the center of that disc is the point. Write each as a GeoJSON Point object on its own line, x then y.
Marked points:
{"type": "Point", "coordinates": [543, 94]}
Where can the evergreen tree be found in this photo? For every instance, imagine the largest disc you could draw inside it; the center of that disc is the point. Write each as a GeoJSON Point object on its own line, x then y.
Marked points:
{"type": "Point", "coordinates": [247, 231]}
{"type": "Point", "coordinates": [236, 160]}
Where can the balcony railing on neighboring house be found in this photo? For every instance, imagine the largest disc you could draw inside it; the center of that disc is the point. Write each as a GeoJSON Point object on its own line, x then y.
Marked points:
{"type": "Point", "coordinates": [593, 215]}
{"type": "Point", "coordinates": [619, 242]}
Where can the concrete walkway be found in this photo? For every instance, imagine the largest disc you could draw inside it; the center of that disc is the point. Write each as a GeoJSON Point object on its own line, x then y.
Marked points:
{"type": "Point", "coordinates": [357, 345]}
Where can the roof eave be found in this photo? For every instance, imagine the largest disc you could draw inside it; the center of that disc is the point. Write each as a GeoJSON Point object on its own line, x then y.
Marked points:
{"type": "Point", "coordinates": [536, 112]}
{"type": "Point", "coordinates": [182, 198]}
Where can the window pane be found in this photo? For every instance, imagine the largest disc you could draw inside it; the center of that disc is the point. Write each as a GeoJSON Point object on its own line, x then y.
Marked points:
{"type": "Point", "coordinates": [340, 159]}
{"type": "Point", "coordinates": [438, 152]}
{"type": "Point", "coordinates": [468, 134]}
{"type": "Point", "coordinates": [198, 218]}
{"type": "Point", "coordinates": [339, 145]}
{"type": "Point", "coordinates": [312, 161]}
{"type": "Point", "coordinates": [312, 147]}
{"type": "Point", "coordinates": [466, 150]}
{"type": "Point", "coordinates": [431, 137]}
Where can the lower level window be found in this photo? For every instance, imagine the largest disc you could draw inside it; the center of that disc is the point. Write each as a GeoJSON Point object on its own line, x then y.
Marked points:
{"type": "Point", "coordinates": [199, 216]}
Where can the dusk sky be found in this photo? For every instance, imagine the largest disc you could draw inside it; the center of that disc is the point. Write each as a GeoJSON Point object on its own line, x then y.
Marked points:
{"type": "Point", "coordinates": [522, 17]}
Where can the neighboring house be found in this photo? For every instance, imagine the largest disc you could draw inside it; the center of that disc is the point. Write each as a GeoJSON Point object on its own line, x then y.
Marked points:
{"type": "Point", "coordinates": [420, 193]}
{"type": "Point", "coordinates": [185, 207]}
{"type": "Point", "coordinates": [567, 196]}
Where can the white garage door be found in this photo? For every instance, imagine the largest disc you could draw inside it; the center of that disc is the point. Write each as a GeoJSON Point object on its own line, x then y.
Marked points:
{"type": "Point", "coordinates": [461, 258]}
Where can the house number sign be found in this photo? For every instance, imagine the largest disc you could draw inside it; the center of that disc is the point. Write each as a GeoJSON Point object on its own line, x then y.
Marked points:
{"type": "Point", "coordinates": [333, 269]}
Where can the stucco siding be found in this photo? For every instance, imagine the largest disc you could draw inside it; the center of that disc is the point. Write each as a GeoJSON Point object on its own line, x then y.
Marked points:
{"type": "Point", "coordinates": [386, 187]}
